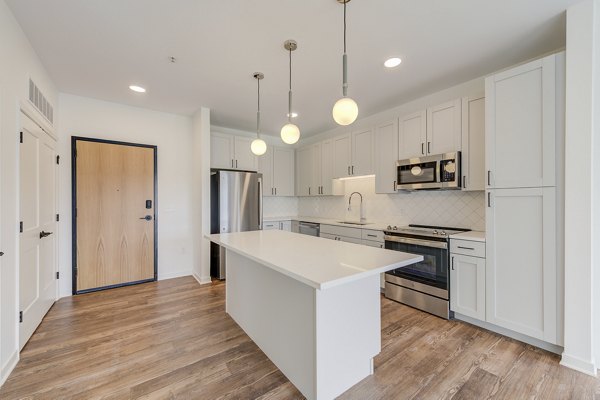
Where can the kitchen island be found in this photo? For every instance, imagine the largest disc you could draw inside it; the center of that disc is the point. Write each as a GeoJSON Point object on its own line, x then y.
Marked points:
{"type": "Point", "coordinates": [312, 305]}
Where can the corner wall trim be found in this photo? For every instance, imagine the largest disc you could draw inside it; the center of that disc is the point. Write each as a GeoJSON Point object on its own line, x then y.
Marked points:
{"type": "Point", "coordinates": [203, 280]}
{"type": "Point", "coordinates": [588, 368]}
{"type": "Point", "coordinates": [8, 367]}
{"type": "Point", "coordinates": [171, 275]}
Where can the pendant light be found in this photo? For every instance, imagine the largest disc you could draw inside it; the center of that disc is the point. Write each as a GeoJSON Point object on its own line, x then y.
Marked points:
{"type": "Point", "coordinates": [290, 132]}
{"type": "Point", "coordinates": [258, 146]}
{"type": "Point", "coordinates": [345, 109]}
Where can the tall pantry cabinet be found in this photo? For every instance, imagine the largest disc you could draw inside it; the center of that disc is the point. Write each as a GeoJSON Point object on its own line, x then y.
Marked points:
{"type": "Point", "coordinates": [524, 192]}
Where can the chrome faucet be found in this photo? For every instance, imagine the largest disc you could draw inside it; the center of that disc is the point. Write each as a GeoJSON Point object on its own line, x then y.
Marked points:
{"type": "Point", "coordinates": [361, 201]}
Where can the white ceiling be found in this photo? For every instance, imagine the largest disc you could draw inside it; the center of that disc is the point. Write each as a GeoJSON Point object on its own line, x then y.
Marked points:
{"type": "Point", "coordinates": [97, 48]}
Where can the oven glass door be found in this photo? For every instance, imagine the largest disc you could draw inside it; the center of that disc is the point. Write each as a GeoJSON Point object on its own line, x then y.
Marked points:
{"type": "Point", "coordinates": [432, 271]}
{"type": "Point", "coordinates": [419, 173]}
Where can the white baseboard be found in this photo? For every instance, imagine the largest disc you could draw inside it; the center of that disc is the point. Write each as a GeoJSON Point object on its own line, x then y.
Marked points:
{"type": "Point", "coordinates": [203, 280]}
{"type": "Point", "coordinates": [171, 275]}
{"type": "Point", "coordinates": [578, 364]}
{"type": "Point", "coordinates": [511, 334]}
{"type": "Point", "coordinates": [8, 367]}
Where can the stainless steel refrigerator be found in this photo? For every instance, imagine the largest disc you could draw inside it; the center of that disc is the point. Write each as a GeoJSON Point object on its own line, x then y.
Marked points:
{"type": "Point", "coordinates": [235, 206]}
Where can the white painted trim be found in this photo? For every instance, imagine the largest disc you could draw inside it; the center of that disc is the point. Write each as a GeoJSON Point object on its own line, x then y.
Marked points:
{"type": "Point", "coordinates": [171, 275]}
{"type": "Point", "coordinates": [588, 368]}
{"type": "Point", "coordinates": [11, 363]}
{"type": "Point", "coordinates": [202, 280]}
{"type": "Point", "coordinates": [511, 334]}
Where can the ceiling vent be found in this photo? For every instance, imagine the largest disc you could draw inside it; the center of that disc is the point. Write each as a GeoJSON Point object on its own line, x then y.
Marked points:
{"type": "Point", "coordinates": [37, 98]}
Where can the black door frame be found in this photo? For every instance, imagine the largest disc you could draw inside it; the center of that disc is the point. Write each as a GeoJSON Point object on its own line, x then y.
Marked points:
{"type": "Point", "coordinates": [74, 140]}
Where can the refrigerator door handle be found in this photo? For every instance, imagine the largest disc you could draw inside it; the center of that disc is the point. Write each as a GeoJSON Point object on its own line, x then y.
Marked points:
{"type": "Point", "coordinates": [260, 200]}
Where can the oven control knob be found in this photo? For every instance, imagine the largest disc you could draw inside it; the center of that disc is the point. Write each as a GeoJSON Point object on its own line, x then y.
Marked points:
{"type": "Point", "coordinates": [435, 232]}
{"type": "Point", "coordinates": [389, 227]}
{"type": "Point", "coordinates": [443, 233]}
{"type": "Point", "coordinates": [395, 228]}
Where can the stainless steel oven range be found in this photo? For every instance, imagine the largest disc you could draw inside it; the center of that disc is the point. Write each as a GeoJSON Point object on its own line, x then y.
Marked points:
{"type": "Point", "coordinates": [424, 285]}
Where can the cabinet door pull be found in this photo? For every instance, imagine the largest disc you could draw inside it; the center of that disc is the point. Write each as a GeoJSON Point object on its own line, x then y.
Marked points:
{"type": "Point", "coordinates": [348, 170]}
{"type": "Point", "coordinates": [422, 148]}
{"type": "Point", "coordinates": [489, 199]}
{"type": "Point", "coordinates": [353, 170]}
{"type": "Point", "coordinates": [489, 178]}
{"type": "Point", "coordinates": [232, 163]}
{"type": "Point", "coordinates": [464, 181]}
{"type": "Point", "coordinates": [275, 191]}
{"type": "Point", "coordinates": [429, 147]}
{"type": "Point", "coordinates": [309, 190]}
{"type": "Point", "coordinates": [369, 235]}
{"type": "Point", "coordinates": [452, 263]}
{"type": "Point", "coordinates": [395, 187]}
{"type": "Point", "coordinates": [271, 191]}
{"type": "Point", "coordinates": [236, 163]}
{"type": "Point", "coordinates": [466, 248]}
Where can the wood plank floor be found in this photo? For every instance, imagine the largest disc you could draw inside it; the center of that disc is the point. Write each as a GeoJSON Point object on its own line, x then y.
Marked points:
{"type": "Point", "coordinates": [173, 340]}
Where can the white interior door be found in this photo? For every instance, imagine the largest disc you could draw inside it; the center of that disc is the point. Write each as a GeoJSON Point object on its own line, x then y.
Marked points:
{"type": "Point", "coordinates": [37, 269]}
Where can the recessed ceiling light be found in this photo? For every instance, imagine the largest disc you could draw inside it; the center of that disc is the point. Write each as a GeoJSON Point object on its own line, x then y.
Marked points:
{"type": "Point", "coordinates": [392, 62]}
{"type": "Point", "coordinates": [294, 115]}
{"type": "Point", "coordinates": [138, 89]}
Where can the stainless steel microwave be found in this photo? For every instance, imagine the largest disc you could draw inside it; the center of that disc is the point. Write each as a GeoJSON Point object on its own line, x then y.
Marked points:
{"type": "Point", "coordinates": [441, 171]}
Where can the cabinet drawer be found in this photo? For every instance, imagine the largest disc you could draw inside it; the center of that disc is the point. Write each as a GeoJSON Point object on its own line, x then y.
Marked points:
{"type": "Point", "coordinates": [327, 236]}
{"type": "Point", "coordinates": [372, 243]}
{"type": "Point", "coordinates": [270, 225]}
{"type": "Point", "coordinates": [467, 248]}
{"type": "Point", "coordinates": [342, 231]}
{"type": "Point", "coordinates": [369, 234]}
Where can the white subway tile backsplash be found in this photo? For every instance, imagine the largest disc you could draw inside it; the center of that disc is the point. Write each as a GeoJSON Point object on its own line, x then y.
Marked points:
{"type": "Point", "coordinates": [442, 208]}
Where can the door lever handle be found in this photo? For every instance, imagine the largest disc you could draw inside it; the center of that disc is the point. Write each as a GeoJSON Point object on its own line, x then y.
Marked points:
{"type": "Point", "coordinates": [44, 234]}
{"type": "Point", "coordinates": [147, 218]}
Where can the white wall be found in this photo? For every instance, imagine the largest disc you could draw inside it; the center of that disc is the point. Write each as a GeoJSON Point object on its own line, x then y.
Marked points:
{"type": "Point", "coordinates": [172, 134]}
{"type": "Point", "coordinates": [18, 62]}
{"type": "Point", "coordinates": [581, 249]}
{"type": "Point", "coordinates": [596, 183]}
{"type": "Point", "coordinates": [201, 196]}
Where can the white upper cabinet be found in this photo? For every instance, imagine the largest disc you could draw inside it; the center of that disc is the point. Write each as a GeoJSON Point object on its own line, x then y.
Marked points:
{"type": "Point", "coordinates": [316, 170]}
{"type": "Point", "coordinates": [386, 155]}
{"type": "Point", "coordinates": [342, 156]}
{"type": "Point", "coordinates": [283, 171]}
{"type": "Point", "coordinates": [265, 167]}
{"type": "Point", "coordinates": [327, 167]}
{"type": "Point", "coordinates": [362, 153]}
{"type": "Point", "coordinates": [412, 135]}
{"type": "Point", "coordinates": [232, 152]}
{"type": "Point", "coordinates": [353, 154]}
{"type": "Point", "coordinates": [473, 143]}
{"type": "Point", "coordinates": [520, 125]}
{"type": "Point", "coordinates": [221, 151]}
{"type": "Point", "coordinates": [444, 128]}
{"type": "Point", "coordinates": [277, 167]}
{"type": "Point", "coordinates": [245, 160]}
{"type": "Point", "coordinates": [304, 171]}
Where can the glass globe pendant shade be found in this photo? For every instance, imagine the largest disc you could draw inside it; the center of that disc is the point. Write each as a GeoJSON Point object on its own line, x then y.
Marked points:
{"type": "Point", "coordinates": [290, 133]}
{"type": "Point", "coordinates": [345, 111]}
{"type": "Point", "coordinates": [258, 147]}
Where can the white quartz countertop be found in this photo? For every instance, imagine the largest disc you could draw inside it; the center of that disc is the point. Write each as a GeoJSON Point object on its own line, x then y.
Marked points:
{"type": "Point", "coordinates": [329, 221]}
{"type": "Point", "coordinates": [475, 236]}
{"type": "Point", "coordinates": [317, 262]}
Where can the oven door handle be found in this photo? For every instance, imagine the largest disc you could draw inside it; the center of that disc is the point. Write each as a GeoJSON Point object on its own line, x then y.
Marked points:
{"type": "Point", "coordinates": [418, 242]}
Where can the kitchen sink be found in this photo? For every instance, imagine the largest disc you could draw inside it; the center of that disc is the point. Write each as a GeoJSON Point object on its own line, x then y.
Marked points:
{"type": "Point", "coordinates": [353, 223]}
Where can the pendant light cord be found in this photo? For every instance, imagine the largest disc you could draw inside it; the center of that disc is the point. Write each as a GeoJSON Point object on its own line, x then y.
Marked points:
{"type": "Point", "coordinates": [345, 60]}
{"type": "Point", "coordinates": [345, 27]}
{"type": "Point", "coordinates": [258, 111]}
{"type": "Point", "coordinates": [290, 93]}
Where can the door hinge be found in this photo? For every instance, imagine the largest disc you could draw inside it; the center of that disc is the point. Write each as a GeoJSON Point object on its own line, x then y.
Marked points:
{"type": "Point", "coordinates": [57, 217]}
{"type": "Point", "coordinates": [57, 275]}
{"type": "Point", "coordinates": [20, 317]}
{"type": "Point", "coordinates": [58, 159]}
{"type": "Point", "coordinates": [21, 227]}
{"type": "Point", "coordinates": [20, 137]}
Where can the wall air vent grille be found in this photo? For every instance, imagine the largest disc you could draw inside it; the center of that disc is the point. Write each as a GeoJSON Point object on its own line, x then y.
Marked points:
{"type": "Point", "coordinates": [38, 99]}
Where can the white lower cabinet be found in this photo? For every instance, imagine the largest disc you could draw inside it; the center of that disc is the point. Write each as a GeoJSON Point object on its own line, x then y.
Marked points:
{"type": "Point", "coordinates": [467, 286]}
{"type": "Point", "coordinates": [521, 268]}
{"type": "Point", "coordinates": [277, 225]}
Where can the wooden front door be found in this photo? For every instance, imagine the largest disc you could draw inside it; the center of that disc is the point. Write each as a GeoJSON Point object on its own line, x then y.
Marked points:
{"type": "Point", "coordinates": [114, 214]}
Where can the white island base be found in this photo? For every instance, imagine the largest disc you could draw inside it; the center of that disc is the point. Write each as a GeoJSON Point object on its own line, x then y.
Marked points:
{"type": "Point", "coordinates": [323, 341]}
{"type": "Point", "coordinates": [312, 305]}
